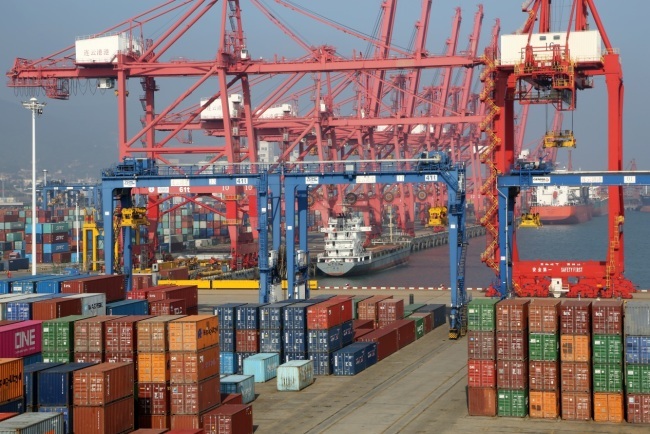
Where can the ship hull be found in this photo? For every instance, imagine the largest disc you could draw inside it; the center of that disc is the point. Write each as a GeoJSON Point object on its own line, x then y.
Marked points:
{"type": "Point", "coordinates": [564, 214]}
{"type": "Point", "coordinates": [600, 207]}
{"type": "Point", "coordinates": [390, 258]}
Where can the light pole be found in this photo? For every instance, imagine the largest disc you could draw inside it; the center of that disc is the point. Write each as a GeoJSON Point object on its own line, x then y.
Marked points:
{"type": "Point", "coordinates": [36, 108]}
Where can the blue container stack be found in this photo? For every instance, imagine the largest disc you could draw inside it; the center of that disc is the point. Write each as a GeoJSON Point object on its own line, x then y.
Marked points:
{"type": "Point", "coordinates": [225, 312]}
{"type": "Point", "coordinates": [128, 307]}
{"type": "Point", "coordinates": [294, 322]}
{"type": "Point", "coordinates": [55, 391]}
{"type": "Point", "coordinates": [247, 335]}
{"type": "Point", "coordinates": [354, 358]}
{"type": "Point", "coordinates": [30, 383]}
{"type": "Point", "coordinates": [271, 317]}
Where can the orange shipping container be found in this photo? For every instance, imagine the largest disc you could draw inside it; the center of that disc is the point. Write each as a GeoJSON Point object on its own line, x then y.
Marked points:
{"type": "Point", "coordinates": [11, 379]}
{"type": "Point", "coordinates": [116, 417]}
{"type": "Point", "coordinates": [153, 367]}
{"type": "Point", "coordinates": [544, 405]}
{"type": "Point", "coordinates": [103, 383]}
{"type": "Point", "coordinates": [194, 366]}
{"type": "Point", "coordinates": [153, 333]}
{"type": "Point", "coordinates": [576, 406]}
{"type": "Point", "coordinates": [574, 348]}
{"type": "Point", "coordinates": [193, 333]}
{"type": "Point", "coordinates": [608, 407]}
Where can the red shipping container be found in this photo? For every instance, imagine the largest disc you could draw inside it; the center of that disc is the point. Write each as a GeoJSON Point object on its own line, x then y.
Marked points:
{"type": "Point", "coordinates": [116, 417]}
{"type": "Point", "coordinates": [188, 423]}
{"type": "Point", "coordinates": [153, 336]}
{"type": "Point", "coordinates": [512, 314]}
{"type": "Point", "coordinates": [120, 335]}
{"type": "Point", "coordinates": [576, 406]}
{"type": "Point", "coordinates": [231, 398]}
{"type": "Point", "coordinates": [512, 345]}
{"type": "Point", "coordinates": [247, 341]}
{"type": "Point", "coordinates": [189, 293]}
{"type": "Point", "coordinates": [543, 375]}
{"type": "Point", "coordinates": [576, 376]}
{"type": "Point", "coordinates": [109, 284]}
{"type": "Point", "coordinates": [324, 315]}
{"type": "Point", "coordinates": [543, 315]}
{"type": "Point", "coordinates": [104, 383]}
{"type": "Point", "coordinates": [59, 237]}
{"type": "Point", "coordinates": [428, 320]}
{"type": "Point", "coordinates": [386, 339]}
{"type": "Point", "coordinates": [544, 405]}
{"type": "Point", "coordinates": [154, 421]}
{"type": "Point", "coordinates": [140, 281]}
{"type": "Point", "coordinates": [118, 357]}
{"type": "Point", "coordinates": [89, 333]}
{"type": "Point", "coordinates": [347, 311]}
{"type": "Point", "coordinates": [363, 324]}
{"type": "Point", "coordinates": [178, 273]}
{"type": "Point", "coordinates": [481, 345]}
{"type": "Point", "coordinates": [229, 419]}
{"type": "Point", "coordinates": [360, 332]}
{"type": "Point", "coordinates": [21, 339]}
{"type": "Point", "coordinates": [56, 308]}
{"type": "Point", "coordinates": [390, 310]}
{"type": "Point", "coordinates": [607, 317]}
{"type": "Point", "coordinates": [168, 307]}
{"type": "Point", "coordinates": [482, 401]}
{"type": "Point", "coordinates": [154, 398]}
{"type": "Point", "coordinates": [481, 373]}
{"type": "Point", "coordinates": [88, 357]}
{"type": "Point", "coordinates": [61, 258]}
{"type": "Point", "coordinates": [575, 317]}
{"type": "Point", "coordinates": [405, 332]}
{"type": "Point", "coordinates": [512, 374]}
{"type": "Point", "coordinates": [194, 366]}
{"type": "Point", "coordinates": [5, 416]}
{"type": "Point", "coordinates": [367, 309]}
{"type": "Point", "coordinates": [195, 398]}
{"type": "Point", "coordinates": [638, 408]}
{"type": "Point", "coordinates": [143, 294]}
{"type": "Point", "coordinates": [4, 322]}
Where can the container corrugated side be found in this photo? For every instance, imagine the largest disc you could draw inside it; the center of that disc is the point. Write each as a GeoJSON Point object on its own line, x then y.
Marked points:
{"type": "Point", "coordinates": [576, 405]}
{"type": "Point", "coordinates": [608, 407]}
{"type": "Point", "coordinates": [512, 314]}
{"type": "Point", "coordinates": [262, 366]}
{"type": "Point", "coordinates": [243, 384]}
{"type": "Point", "coordinates": [295, 375]}
{"type": "Point", "coordinates": [153, 367]}
{"type": "Point", "coordinates": [11, 379]}
{"type": "Point", "coordinates": [637, 318]}
{"type": "Point", "coordinates": [607, 317]}
{"type": "Point", "coordinates": [230, 418]}
{"type": "Point", "coordinates": [194, 366]}
{"type": "Point", "coordinates": [607, 348]}
{"type": "Point", "coordinates": [55, 384]}
{"type": "Point", "coordinates": [30, 381]}
{"type": "Point", "coordinates": [481, 314]}
{"type": "Point", "coordinates": [21, 339]}
{"type": "Point", "coordinates": [194, 398]}
{"type": "Point", "coordinates": [67, 412]}
{"type": "Point", "coordinates": [482, 401]}
{"type": "Point", "coordinates": [513, 403]}
{"type": "Point", "coordinates": [116, 417]}
{"type": "Point", "coordinates": [33, 423]}
{"type": "Point", "coordinates": [128, 307]}
{"type": "Point", "coordinates": [637, 378]}
{"type": "Point", "coordinates": [193, 333]}
{"type": "Point", "coordinates": [58, 334]}
{"type": "Point", "coordinates": [153, 333]}
{"type": "Point", "coordinates": [637, 349]}
{"type": "Point", "coordinates": [91, 304]}
{"type": "Point", "coordinates": [104, 383]}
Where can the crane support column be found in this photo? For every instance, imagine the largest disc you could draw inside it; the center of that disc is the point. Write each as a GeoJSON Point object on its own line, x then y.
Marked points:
{"type": "Point", "coordinates": [302, 258]}
{"type": "Point", "coordinates": [275, 184]}
{"type": "Point", "coordinates": [507, 200]}
{"type": "Point", "coordinates": [457, 251]}
{"type": "Point", "coordinates": [263, 239]}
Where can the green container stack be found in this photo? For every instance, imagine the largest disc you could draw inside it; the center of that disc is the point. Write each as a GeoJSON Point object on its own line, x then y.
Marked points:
{"type": "Point", "coordinates": [58, 339]}
{"type": "Point", "coordinates": [419, 326]}
{"type": "Point", "coordinates": [481, 314]}
{"type": "Point", "coordinates": [543, 346]}
{"type": "Point", "coordinates": [512, 403]}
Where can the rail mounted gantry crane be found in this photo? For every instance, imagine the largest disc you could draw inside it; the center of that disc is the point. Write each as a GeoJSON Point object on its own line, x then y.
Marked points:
{"type": "Point", "coordinates": [549, 68]}
{"type": "Point", "coordinates": [355, 108]}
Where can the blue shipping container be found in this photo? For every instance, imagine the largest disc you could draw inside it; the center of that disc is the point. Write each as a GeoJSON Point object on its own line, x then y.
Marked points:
{"type": "Point", "coordinates": [28, 285]}
{"type": "Point", "coordinates": [128, 307]}
{"type": "Point", "coordinates": [349, 360]}
{"type": "Point", "coordinates": [244, 384]}
{"type": "Point", "coordinates": [263, 366]}
{"type": "Point", "coordinates": [637, 349]}
{"type": "Point", "coordinates": [53, 285]}
{"type": "Point", "coordinates": [347, 333]}
{"type": "Point", "coordinates": [438, 312]}
{"type": "Point", "coordinates": [227, 363]}
{"type": "Point", "coordinates": [323, 363]}
{"type": "Point", "coordinates": [295, 316]}
{"type": "Point", "coordinates": [271, 315]}
{"type": "Point", "coordinates": [295, 356]}
{"type": "Point", "coordinates": [15, 406]}
{"type": "Point", "coordinates": [32, 358]}
{"type": "Point", "coordinates": [22, 310]}
{"type": "Point", "coordinates": [30, 381]}
{"type": "Point", "coordinates": [271, 341]}
{"type": "Point", "coordinates": [247, 317]}
{"type": "Point", "coordinates": [227, 340]}
{"type": "Point", "coordinates": [324, 341]}
{"type": "Point", "coordinates": [226, 314]}
{"type": "Point", "coordinates": [66, 411]}
{"type": "Point", "coordinates": [295, 341]}
{"type": "Point", "coordinates": [55, 384]}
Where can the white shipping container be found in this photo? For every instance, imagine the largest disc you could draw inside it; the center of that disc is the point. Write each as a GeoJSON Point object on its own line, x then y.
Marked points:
{"type": "Point", "coordinates": [91, 304]}
{"type": "Point", "coordinates": [584, 46]}
{"type": "Point", "coordinates": [215, 110]}
{"type": "Point", "coordinates": [104, 49]}
{"type": "Point", "coordinates": [295, 375]}
{"type": "Point", "coordinates": [33, 423]}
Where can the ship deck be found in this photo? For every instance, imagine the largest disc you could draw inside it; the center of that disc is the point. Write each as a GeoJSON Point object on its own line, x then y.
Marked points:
{"type": "Point", "coordinates": [420, 389]}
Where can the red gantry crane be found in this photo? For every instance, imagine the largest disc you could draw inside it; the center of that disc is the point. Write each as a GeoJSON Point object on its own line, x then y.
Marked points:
{"type": "Point", "coordinates": [323, 105]}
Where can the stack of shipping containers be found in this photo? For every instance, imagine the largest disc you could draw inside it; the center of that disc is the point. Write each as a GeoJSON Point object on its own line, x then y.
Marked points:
{"type": "Point", "coordinates": [325, 323]}
{"type": "Point", "coordinates": [30, 381]}
{"type": "Point", "coordinates": [543, 354]}
{"type": "Point", "coordinates": [482, 390]}
{"type": "Point", "coordinates": [89, 336]}
{"type": "Point", "coordinates": [52, 243]}
{"type": "Point", "coordinates": [103, 399]}
{"type": "Point", "coordinates": [121, 337]}
{"type": "Point", "coordinates": [58, 339]}
{"type": "Point", "coordinates": [294, 323]}
{"type": "Point", "coordinates": [194, 366]}
{"type": "Point", "coordinates": [174, 300]}
{"type": "Point", "coordinates": [271, 328]}
{"type": "Point", "coordinates": [637, 361]}
{"type": "Point", "coordinates": [607, 359]}
{"type": "Point", "coordinates": [511, 324]}
{"type": "Point", "coordinates": [389, 311]}
{"type": "Point", "coordinates": [153, 372]}
{"type": "Point", "coordinates": [226, 314]}
{"type": "Point", "coordinates": [247, 332]}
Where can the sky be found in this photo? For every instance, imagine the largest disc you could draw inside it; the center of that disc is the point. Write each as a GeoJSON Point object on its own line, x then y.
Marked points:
{"type": "Point", "coordinates": [77, 138]}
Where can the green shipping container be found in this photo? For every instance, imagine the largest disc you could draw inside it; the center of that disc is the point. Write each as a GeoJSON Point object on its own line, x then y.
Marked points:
{"type": "Point", "coordinates": [637, 378]}
{"type": "Point", "coordinates": [513, 403]}
{"type": "Point", "coordinates": [55, 228]}
{"type": "Point", "coordinates": [409, 309]}
{"type": "Point", "coordinates": [607, 349]}
{"type": "Point", "coordinates": [419, 327]}
{"type": "Point", "coordinates": [481, 314]}
{"type": "Point", "coordinates": [58, 334]}
{"type": "Point", "coordinates": [14, 236]}
{"type": "Point", "coordinates": [607, 377]}
{"type": "Point", "coordinates": [543, 346]}
{"type": "Point", "coordinates": [57, 357]}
